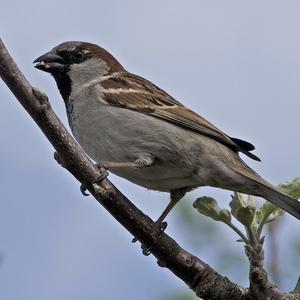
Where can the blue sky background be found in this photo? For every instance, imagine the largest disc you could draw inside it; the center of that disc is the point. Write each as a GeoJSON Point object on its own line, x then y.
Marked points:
{"type": "Point", "coordinates": [236, 63]}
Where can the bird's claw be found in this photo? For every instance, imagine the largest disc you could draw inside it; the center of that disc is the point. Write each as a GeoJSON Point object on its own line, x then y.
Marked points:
{"type": "Point", "coordinates": [103, 174]}
{"type": "Point", "coordinates": [83, 190]}
{"type": "Point", "coordinates": [159, 229]}
{"type": "Point", "coordinates": [147, 250]}
{"type": "Point", "coordinates": [99, 190]}
{"type": "Point", "coordinates": [103, 167]}
{"type": "Point", "coordinates": [162, 227]}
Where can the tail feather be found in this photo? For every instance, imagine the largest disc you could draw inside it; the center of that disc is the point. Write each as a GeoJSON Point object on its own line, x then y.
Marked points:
{"type": "Point", "coordinates": [281, 200]}
{"type": "Point", "coordinates": [264, 189]}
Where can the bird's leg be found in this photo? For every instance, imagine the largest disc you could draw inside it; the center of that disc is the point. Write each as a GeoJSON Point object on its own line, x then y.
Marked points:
{"type": "Point", "coordinates": [176, 195]}
{"type": "Point", "coordinates": [160, 226]}
{"type": "Point", "coordinates": [141, 162]}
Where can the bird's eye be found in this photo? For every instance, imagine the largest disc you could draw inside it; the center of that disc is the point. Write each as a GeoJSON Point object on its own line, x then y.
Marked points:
{"type": "Point", "coordinates": [78, 55]}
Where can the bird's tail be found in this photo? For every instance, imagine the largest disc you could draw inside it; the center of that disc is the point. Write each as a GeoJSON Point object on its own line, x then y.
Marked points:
{"type": "Point", "coordinates": [264, 189]}
{"type": "Point", "coordinates": [285, 202]}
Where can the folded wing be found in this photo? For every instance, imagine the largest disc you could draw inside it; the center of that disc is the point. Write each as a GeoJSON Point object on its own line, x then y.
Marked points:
{"type": "Point", "coordinates": [136, 93]}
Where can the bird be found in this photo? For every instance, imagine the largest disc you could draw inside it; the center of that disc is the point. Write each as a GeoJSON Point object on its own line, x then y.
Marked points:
{"type": "Point", "coordinates": [141, 133]}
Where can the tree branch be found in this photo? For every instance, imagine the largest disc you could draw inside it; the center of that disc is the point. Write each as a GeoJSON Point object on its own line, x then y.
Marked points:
{"type": "Point", "coordinates": [199, 276]}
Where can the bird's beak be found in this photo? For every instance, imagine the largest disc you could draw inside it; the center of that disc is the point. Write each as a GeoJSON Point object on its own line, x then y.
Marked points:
{"type": "Point", "coordinates": [50, 62]}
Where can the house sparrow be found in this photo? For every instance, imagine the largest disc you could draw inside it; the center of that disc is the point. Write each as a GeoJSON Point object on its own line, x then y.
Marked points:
{"type": "Point", "coordinates": [145, 135]}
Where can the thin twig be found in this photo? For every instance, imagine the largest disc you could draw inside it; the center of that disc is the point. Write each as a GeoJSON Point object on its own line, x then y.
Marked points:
{"type": "Point", "coordinates": [239, 232]}
{"type": "Point", "coordinates": [261, 226]}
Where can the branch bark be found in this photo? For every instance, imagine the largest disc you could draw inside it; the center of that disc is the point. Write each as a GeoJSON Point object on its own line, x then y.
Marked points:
{"type": "Point", "coordinates": [198, 275]}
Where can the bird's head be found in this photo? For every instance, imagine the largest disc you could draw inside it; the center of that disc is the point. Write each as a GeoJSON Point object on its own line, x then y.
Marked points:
{"type": "Point", "coordinates": [77, 63]}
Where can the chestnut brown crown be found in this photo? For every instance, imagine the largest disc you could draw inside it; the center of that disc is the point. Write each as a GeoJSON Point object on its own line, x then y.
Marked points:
{"type": "Point", "coordinates": [61, 57]}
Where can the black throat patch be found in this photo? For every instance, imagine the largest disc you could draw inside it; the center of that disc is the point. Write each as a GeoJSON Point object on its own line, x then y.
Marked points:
{"type": "Point", "coordinates": [64, 83]}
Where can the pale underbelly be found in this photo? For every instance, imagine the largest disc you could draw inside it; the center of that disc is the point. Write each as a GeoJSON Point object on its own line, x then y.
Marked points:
{"type": "Point", "coordinates": [182, 158]}
{"type": "Point", "coordinates": [157, 178]}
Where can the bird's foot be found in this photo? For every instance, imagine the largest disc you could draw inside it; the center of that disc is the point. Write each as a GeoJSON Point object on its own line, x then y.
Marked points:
{"type": "Point", "coordinates": [159, 228]}
{"type": "Point", "coordinates": [83, 190]}
{"type": "Point", "coordinates": [103, 167]}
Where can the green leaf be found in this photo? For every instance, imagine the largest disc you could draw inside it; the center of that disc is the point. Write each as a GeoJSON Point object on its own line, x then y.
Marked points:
{"type": "Point", "coordinates": [225, 216]}
{"type": "Point", "coordinates": [292, 188]}
{"type": "Point", "coordinates": [236, 203]}
{"type": "Point", "coordinates": [251, 201]}
{"type": "Point", "coordinates": [270, 212]}
{"type": "Point", "coordinates": [246, 215]}
{"type": "Point", "coordinates": [268, 208]}
{"type": "Point", "coordinates": [209, 207]}
{"type": "Point", "coordinates": [244, 211]}
{"type": "Point", "coordinates": [259, 216]}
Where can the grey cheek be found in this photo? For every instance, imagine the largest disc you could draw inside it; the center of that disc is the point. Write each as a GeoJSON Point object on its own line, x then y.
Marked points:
{"type": "Point", "coordinates": [81, 74]}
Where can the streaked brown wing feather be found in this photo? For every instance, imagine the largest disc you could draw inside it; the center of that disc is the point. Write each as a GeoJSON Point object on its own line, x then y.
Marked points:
{"type": "Point", "coordinates": [136, 93]}
{"type": "Point", "coordinates": [187, 118]}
